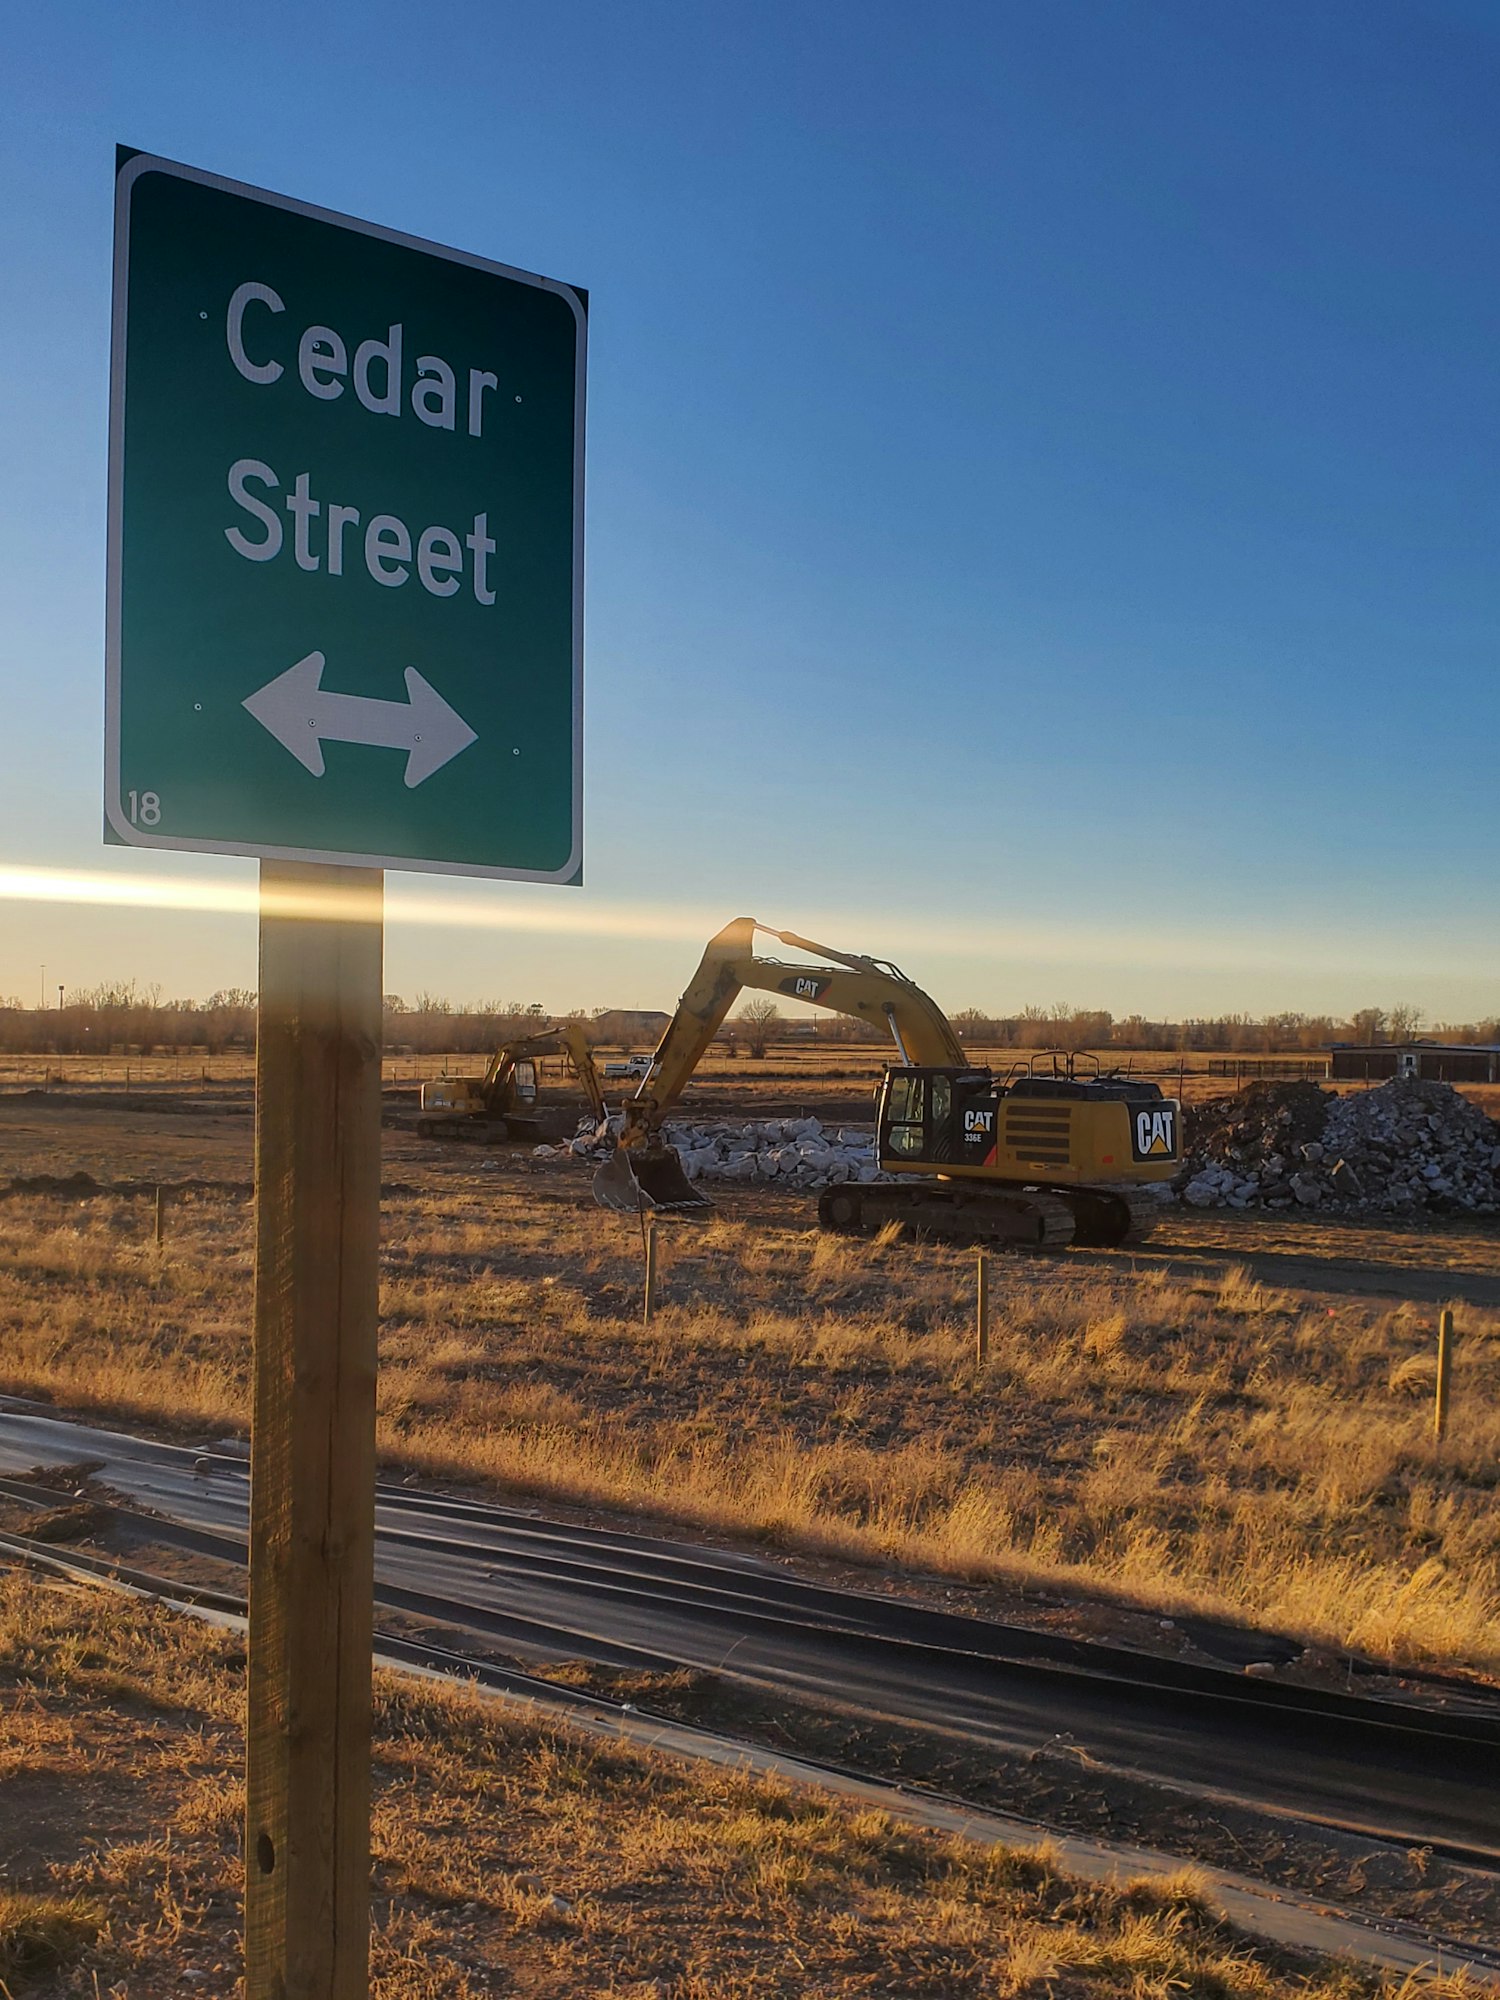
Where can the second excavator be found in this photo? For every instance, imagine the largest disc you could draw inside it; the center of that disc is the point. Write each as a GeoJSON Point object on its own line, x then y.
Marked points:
{"type": "Point", "coordinates": [1037, 1160]}
{"type": "Point", "coordinates": [503, 1103]}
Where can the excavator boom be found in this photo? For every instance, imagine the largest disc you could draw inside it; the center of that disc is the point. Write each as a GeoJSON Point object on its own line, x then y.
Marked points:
{"type": "Point", "coordinates": [866, 988]}
{"type": "Point", "coordinates": [645, 1172]}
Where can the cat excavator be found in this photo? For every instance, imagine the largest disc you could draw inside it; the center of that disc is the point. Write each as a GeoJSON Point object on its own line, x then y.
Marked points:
{"type": "Point", "coordinates": [502, 1104]}
{"type": "Point", "coordinates": [1039, 1160]}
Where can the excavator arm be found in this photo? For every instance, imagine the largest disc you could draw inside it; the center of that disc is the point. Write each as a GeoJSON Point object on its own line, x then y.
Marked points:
{"type": "Point", "coordinates": [869, 989]}
{"type": "Point", "coordinates": [569, 1039]}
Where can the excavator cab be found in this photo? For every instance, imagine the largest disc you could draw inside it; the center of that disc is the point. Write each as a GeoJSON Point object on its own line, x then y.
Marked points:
{"type": "Point", "coordinates": [1049, 1130]}
{"type": "Point", "coordinates": [936, 1118]}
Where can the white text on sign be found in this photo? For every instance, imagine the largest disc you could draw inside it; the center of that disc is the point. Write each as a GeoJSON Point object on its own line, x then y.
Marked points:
{"type": "Point", "coordinates": [388, 546]}
{"type": "Point", "coordinates": [323, 367]}
{"type": "Point", "coordinates": [387, 543]}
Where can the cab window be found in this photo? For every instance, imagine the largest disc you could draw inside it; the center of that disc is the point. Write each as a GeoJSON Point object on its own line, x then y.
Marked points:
{"type": "Point", "coordinates": [907, 1093]}
{"type": "Point", "coordinates": [942, 1103]}
{"type": "Point", "coordinates": [904, 1120]}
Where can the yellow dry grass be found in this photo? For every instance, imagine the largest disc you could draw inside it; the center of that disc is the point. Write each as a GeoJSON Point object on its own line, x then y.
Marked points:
{"type": "Point", "coordinates": [40, 1932]}
{"type": "Point", "coordinates": [516, 1856]}
{"type": "Point", "coordinates": [1212, 1444]}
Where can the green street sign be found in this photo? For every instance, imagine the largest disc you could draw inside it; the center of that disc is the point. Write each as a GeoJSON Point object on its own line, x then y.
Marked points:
{"type": "Point", "coordinates": [346, 540]}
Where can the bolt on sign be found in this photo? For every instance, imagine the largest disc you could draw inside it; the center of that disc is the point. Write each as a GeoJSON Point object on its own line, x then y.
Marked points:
{"type": "Point", "coordinates": [346, 551]}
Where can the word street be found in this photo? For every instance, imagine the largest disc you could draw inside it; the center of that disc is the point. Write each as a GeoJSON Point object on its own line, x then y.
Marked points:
{"type": "Point", "coordinates": [326, 533]}
{"type": "Point", "coordinates": [386, 545]}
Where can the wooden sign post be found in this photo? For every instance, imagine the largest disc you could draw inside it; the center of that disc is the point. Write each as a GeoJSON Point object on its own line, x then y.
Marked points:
{"type": "Point", "coordinates": [312, 1443]}
{"type": "Point", "coordinates": [249, 710]}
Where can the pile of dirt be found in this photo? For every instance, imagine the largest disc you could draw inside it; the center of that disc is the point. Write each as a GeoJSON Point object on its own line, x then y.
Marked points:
{"type": "Point", "coordinates": [1407, 1146]}
{"type": "Point", "coordinates": [81, 1186]}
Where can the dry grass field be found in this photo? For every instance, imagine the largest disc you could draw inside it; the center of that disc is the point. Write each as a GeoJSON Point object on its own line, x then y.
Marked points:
{"type": "Point", "coordinates": [836, 1080]}
{"type": "Point", "coordinates": [517, 1855]}
{"type": "Point", "coordinates": [1235, 1423]}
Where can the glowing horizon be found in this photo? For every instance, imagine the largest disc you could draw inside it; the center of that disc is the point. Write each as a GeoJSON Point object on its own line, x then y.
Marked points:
{"type": "Point", "coordinates": [944, 956]}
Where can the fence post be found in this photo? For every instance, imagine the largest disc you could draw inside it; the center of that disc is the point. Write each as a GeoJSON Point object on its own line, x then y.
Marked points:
{"type": "Point", "coordinates": [161, 1206]}
{"type": "Point", "coordinates": [1444, 1374]}
{"type": "Point", "coordinates": [648, 1225]}
{"type": "Point", "coordinates": [982, 1310]}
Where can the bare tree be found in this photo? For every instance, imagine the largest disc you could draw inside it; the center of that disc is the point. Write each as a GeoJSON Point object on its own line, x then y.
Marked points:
{"type": "Point", "coordinates": [1403, 1021]}
{"type": "Point", "coordinates": [759, 1019]}
{"type": "Point", "coordinates": [973, 1025]}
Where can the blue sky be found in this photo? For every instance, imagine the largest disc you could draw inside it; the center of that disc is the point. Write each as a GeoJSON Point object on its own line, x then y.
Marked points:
{"type": "Point", "coordinates": [1042, 503]}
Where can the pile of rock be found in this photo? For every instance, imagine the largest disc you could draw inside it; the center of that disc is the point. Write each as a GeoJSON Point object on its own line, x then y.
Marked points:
{"type": "Point", "coordinates": [794, 1152]}
{"type": "Point", "coordinates": [1413, 1144]}
{"type": "Point", "coordinates": [798, 1152]}
{"type": "Point", "coordinates": [1408, 1145]}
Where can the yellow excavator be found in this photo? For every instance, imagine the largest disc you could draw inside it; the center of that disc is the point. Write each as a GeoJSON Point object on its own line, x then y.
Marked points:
{"type": "Point", "coordinates": [502, 1104]}
{"type": "Point", "coordinates": [1043, 1160]}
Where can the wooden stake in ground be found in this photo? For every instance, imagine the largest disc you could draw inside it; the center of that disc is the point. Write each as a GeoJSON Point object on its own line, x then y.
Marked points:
{"type": "Point", "coordinates": [312, 1450]}
{"type": "Point", "coordinates": [982, 1310]}
{"type": "Point", "coordinates": [161, 1210]}
{"type": "Point", "coordinates": [648, 1227]}
{"type": "Point", "coordinates": [1444, 1374]}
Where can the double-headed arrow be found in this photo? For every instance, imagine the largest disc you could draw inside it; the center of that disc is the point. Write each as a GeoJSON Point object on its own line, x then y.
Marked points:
{"type": "Point", "coordinates": [301, 715]}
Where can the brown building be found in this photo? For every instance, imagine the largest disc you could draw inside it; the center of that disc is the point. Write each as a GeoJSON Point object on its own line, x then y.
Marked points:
{"type": "Point", "coordinates": [1439, 1062]}
{"type": "Point", "coordinates": [628, 1028]}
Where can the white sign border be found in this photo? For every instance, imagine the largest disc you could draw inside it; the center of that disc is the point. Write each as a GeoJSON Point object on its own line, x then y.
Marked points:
{"type": "Point", "coordinates": [130, 835]}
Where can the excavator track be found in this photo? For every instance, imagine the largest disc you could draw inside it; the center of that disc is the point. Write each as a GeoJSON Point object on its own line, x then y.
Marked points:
{"type": "Point", "coordinates": [1033, 1218]}
{"type": "Point", "coordinates": [1107, 1217]}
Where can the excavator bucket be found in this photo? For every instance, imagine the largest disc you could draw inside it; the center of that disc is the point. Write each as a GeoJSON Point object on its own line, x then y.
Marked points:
{"type": "Point", "coordinates": [632, 1179]}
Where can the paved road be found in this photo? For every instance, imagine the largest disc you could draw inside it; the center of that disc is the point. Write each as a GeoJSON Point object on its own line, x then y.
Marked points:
{"type": "Point", "coordinates": [553, 1590]}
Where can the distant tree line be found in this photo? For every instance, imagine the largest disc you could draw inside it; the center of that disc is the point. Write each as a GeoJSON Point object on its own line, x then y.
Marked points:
{"type": "Point", "coordinates": [123, 1018]}
{"type": "Point", "coordinates": [1065, 1027]}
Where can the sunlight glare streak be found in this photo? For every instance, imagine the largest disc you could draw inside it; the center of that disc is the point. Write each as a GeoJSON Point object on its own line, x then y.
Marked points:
{"type": "Point", "coordinates": [404, 904]}
{"type": "Point", "coordinates": [913, 939]}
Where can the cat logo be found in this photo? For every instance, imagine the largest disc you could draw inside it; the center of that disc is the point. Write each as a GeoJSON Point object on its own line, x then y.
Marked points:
{"type": "Point", "coordinates": [1155, 1133]}
{"type": "Point", "coordinates": [801, 987]}
{"type": "Point", "coordinates": [978, 1124]}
